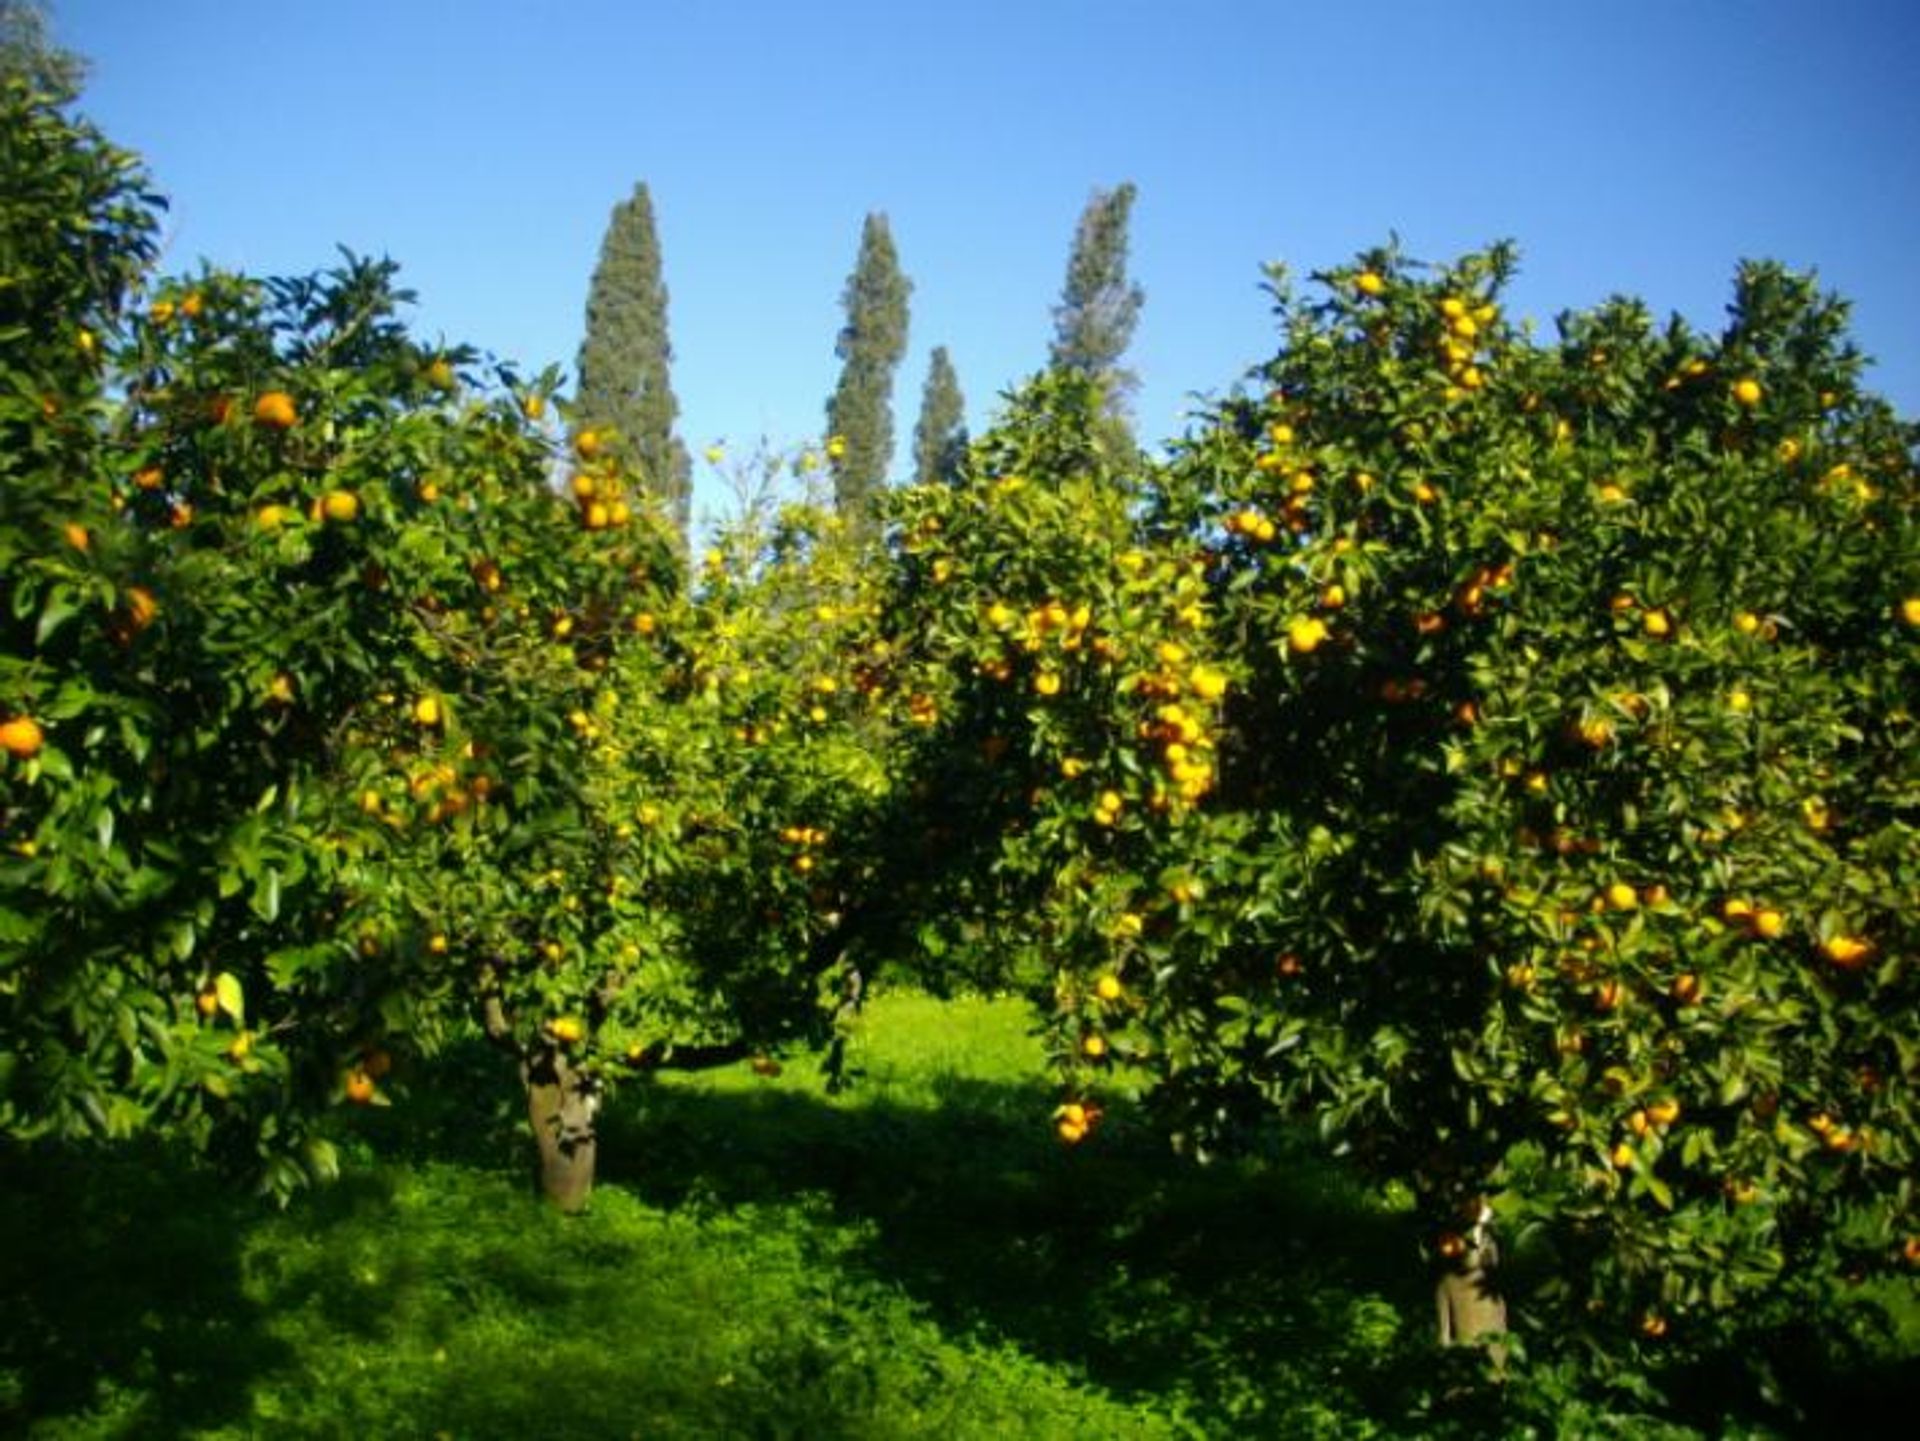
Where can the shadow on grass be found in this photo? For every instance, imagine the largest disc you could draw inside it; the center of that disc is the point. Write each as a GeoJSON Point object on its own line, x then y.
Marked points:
{"type": "Point", "coordinates": [121, 1300]}
{"type": "Point", "coordinates": [1233, 1290]}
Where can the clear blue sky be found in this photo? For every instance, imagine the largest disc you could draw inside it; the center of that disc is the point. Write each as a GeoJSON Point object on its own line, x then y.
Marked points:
{"type": "Point", "coordinates": [1638, 146]}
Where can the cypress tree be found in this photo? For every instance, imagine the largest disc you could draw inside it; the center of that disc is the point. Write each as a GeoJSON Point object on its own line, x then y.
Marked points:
{"type": "Point", "coordinates": [940, 438]}
{"type": "Point", "coordinates": [28, 54]}
{"type": "Point", "coordinates": [860, 411]}
{"type": "Point", "coordinates": [624, 360]}
{"type": "Point", "coordinates": [1094, 320]}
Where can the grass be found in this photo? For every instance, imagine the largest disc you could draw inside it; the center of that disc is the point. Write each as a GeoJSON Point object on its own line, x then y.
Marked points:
{"type": "Point", "coordinates": [918, 1257]}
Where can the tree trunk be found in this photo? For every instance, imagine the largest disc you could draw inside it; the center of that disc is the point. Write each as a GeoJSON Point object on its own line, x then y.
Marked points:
{"type": "Point", "coordinates": [1472, 1312]}
{"type": "Point", "coordinates": [563, 1106]}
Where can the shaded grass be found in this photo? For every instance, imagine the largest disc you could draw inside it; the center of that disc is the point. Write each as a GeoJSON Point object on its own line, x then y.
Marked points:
{"type": "Point", "coordinates": [918, 1257]}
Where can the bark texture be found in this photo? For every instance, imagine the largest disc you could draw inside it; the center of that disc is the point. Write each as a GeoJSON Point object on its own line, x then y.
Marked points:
{"type": "Point", "coordinates": [563, 1107]}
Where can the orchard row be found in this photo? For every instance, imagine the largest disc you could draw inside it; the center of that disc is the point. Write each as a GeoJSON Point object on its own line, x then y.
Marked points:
{"type": "Point", "coordinates": [1499, 754]}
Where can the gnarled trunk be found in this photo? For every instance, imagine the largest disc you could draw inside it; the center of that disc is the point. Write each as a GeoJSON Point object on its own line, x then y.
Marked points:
{"type": "Point", "coordinates": [563, 1106]}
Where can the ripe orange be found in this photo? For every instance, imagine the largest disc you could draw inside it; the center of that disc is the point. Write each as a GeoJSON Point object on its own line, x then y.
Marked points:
{"type": "Point", "coordinates": [1622, 897]}
{"type": "Point", "coordinates": [1305, 634]}
{"type": "Point", "coordinates": [567, 1029]}
{"type": "Point", "coordinates": [426, 710]}
{"type": "Point", "coordinates": [1845, 951]}
{"type": "Point", "coordinates": [1094, 1047]}
{"type": "Point", "coordinates": [359, 1087]}
{"type": "Point", "coordinates": [342, 506]}
{"type": "Point", "coordinates": [1910, 611]}
{"type": "Point", "coordinates": [1369, 283]}
{"type": "Point", "coordinates": [1107, 988]}
{"type": "Point", "coordinates": [1747, 391]}
{"type": "Point", "coordinates": [275, 410]}
{"type": "Point", "coordinates": [77, 536]}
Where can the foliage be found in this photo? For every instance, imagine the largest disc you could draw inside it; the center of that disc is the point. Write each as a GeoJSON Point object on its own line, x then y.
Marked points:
{"type": "Point", "coordinates": [307, 693]}
{"type": "Point", "coordinates": [1559, 700]}
{"type": "Point", "coordinates": [860, 410]}
{"type": "Point", "coordinates": [940, 435]}
{"type": "Point", "coordinates": [626, 392]}
{"type": "Point", "coordinates": [1099, 305]}
{"type": "Point", "coordinates": [27, 54]}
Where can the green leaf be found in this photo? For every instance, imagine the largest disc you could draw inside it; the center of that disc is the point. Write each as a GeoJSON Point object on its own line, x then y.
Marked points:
{"type": "Point", "coordinates": [226, 990]}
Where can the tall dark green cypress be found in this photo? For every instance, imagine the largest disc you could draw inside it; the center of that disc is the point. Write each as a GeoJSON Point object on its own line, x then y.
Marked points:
{"type": "Point", "coordinates": [624, 360]}
{"type": "Point", "coordinates": [860, 411]}
{"type": "Point", "coordinates": [1093, 323]}
{"type": "Point", "coordinates": [940, 437]}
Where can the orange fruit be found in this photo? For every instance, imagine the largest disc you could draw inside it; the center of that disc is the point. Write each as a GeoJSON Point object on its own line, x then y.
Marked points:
{"type": "Point", "coordinates": [359, 1087]}
{"type": "Point", "coordinates": [1305, 634]}
{"type": "Point", "coordinates": [275, 410]}
{"type": "Point", "coordinates": [567, 1030]}
{"type": "Point", "coordinates": [426, 710]}
{"type": "Point", "coordinates": [1369, 283]}
{"type": "Point", "coordinates": [77, 536]}
{"type": "Point", "coordinates": [1845, 951]}
{"type": "Point", "coordinates": [1107, 988]}
{"type": "Point", "coordinates": [1746, 391]}
{"type": "Point", "coordinates": [341, 505]}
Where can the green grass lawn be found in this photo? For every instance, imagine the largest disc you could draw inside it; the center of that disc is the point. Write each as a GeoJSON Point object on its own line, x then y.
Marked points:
{"type": "Point", "coordinates": [917, 1257]}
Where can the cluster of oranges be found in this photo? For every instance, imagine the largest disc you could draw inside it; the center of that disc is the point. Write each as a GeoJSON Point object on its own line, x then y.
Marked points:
{"type": "Point", "coordinates": [1460, 343]}
{"type": "Point", "coordinates": [596, 487]}
{"type": "Point", "coordinates": [806, 840]}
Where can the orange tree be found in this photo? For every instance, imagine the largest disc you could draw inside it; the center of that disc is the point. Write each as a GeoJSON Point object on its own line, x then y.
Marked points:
{"type": "Point", "coordinates": [296, 621]}
{"type": "Point", "coordinates": [1063, 709]}
{"type": "Point", "coordinates": [1564, 850]}
{"type": "Point", "coordinates": [736, 760]}
{"type": "Point", "coordinates": [341, 707]}
{"type": "Point", "coordinates": [1500, 754]}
